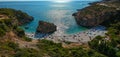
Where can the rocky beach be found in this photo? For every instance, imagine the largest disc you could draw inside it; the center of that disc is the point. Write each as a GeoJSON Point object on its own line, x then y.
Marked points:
{"type": "Point", "coordinates": [81, 37]}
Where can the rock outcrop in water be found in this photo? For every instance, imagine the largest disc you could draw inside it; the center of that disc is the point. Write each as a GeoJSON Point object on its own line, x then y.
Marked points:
{"type": "Point", "coordinates": [45, 27]}
{"type": "Point", "coordinates": [97, 14]}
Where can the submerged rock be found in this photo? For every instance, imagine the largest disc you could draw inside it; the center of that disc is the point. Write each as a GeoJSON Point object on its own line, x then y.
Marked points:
{"type": "Point", "coordinates": [46, 27]}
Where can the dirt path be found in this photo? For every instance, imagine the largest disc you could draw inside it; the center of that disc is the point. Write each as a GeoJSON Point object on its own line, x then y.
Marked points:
{"type": "Point", "coordinates": [22, 43]}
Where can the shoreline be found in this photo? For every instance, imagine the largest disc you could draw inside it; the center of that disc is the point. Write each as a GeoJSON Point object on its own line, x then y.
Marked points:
{"type": "Point", "coordinates": [81, 37]}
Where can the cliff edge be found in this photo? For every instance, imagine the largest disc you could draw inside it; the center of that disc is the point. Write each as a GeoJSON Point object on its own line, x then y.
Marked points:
{"type": "Point", "coordinates": [97, 13]}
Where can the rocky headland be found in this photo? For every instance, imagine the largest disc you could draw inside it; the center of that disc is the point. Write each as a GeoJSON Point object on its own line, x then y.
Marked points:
{"type": "Point", "coordinates": [11, 19]}
{"type": "Point", "coordinates": [17, 16]}
{"type": "Point", "coordinates": [46, 27]}
{"type": "Point", "coordinates": [98, 13]}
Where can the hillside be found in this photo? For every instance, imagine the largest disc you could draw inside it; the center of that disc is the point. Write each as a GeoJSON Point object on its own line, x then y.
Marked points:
{"type": "Point", "coordinates": [14, 43]}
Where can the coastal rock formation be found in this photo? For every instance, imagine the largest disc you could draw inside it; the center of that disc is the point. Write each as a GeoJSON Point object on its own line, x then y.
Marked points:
{"type": "Point", "coordinates": [17, 15]}
{"type": "Point", "coordinates": [95, 14]}
{"type": "Point", "coordinates": [45, 27]}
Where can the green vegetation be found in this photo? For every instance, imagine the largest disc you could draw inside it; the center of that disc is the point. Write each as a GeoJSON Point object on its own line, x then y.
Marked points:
{"type": "Point", "coordinates": [103, 46]}
{"type": "Point", "coordinates": [11, 49]}
{"type": "Point", "coordinates": [20, 32]}
{"type": "Point", "coordinates": [15, 18]}
{"type": "Point", "coordinates": [27, 52]}
{"type": "Point", "coordinates": [2, 32]}
{"type": "Point", "coordinates": [110, 44]}
{"type": "Point", "coordinates": [27, 39]}
{"type": "Point", "coordinates": [56, 50]}
{"type": "Point", "coordinates": [46, 48]}
{"type": "Point", "coordinates": [7, 48]}
{"type": "Point", "coordinates": [5, 26]}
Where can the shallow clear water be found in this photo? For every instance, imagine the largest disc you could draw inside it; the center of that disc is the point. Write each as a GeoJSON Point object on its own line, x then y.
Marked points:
{"type": "Point", "coordinates": [58, 13]}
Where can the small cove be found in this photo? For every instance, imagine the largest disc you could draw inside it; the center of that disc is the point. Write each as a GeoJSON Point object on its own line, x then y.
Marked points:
{"type": "Point", "coordinates": [58, 13]}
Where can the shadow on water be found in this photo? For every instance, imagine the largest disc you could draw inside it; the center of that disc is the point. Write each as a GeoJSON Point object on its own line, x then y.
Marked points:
{"type": "Point", "coordinates": [41, 35]}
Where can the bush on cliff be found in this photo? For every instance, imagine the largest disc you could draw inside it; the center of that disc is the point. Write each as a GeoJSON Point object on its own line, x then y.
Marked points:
{"type": "Point", "coordinates": [20, 32]}
{"type": "Point", "coordinates": [2, 32]}
{"type": "Point", "coordinates": [104, 46]}
{"type": "Point", "coordinates": [27, 39]}
{"type": "Point", "coordinates": [5, 26]}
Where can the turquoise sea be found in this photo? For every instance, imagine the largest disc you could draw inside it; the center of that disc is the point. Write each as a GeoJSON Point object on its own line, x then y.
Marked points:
{"type": "Point", "coordinates": [58, 13]}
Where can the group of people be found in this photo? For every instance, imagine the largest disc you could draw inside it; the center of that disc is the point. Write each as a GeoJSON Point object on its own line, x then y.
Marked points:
{"type": "Point", "coordinates": [84, 36]}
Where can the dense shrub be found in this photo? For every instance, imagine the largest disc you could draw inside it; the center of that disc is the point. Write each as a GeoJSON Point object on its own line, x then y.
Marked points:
{"type": "Point", "coordinates": [109, 46]}
{"type": "Point", "coordinates": [12, 45]}
{"type": "Point", "coordinates": [2, 32]}
{"type": "Point", "coordinates": [56, 50]}
{"type": "Point", "coordinates": [20, 32]}
{"type": "Point", "coordinates": [27, 52]}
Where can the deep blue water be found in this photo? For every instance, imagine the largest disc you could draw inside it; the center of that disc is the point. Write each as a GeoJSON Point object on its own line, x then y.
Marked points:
{"type": "Point", "coordinates": [57, 13]}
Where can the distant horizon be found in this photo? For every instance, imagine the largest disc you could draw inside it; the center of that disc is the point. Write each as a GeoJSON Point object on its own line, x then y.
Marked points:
{"type": "Point", "coordinates": [45, 0]}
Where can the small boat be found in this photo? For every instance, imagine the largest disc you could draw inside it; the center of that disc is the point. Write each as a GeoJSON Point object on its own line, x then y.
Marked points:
{"type": "Point", "coordinates": [26, 27]}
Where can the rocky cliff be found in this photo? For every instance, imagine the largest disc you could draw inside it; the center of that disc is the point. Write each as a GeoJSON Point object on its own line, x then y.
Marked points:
{"type": "Point", "coordinates": [17, 15]}
{"type": "Point", "coordinates": [45, 27]}
{"type": "Point", "coordinates": [97, 13]}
